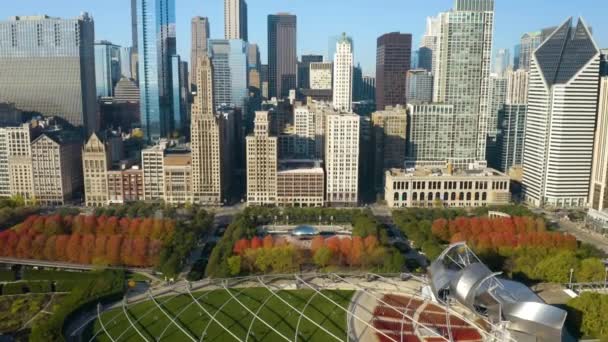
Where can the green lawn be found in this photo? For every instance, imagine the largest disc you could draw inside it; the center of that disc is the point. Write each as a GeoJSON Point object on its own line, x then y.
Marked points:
{"type": "Point", "coordinates": [154, 324]}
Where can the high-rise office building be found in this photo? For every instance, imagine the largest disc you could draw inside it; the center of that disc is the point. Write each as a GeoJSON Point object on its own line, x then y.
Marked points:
{"type": "Point", "coordinates": [253, 67]}
{"type": "Point", "coordinates": [177, 124]}
{"type": "Point", "coordinates": [529, 42]}
{"type": "Point", "coordinates": [107, 67]}
{"type": "Point", "coordinates": [342, 158]}
{"type": "Point", "coordinates": [431, 133]}
{"type": "Point", "coordinates": [229, 60]}
{"type": "Point", "coordinates": [517, 86]}
{"type": "Point", "coordinates": [5, 186]}
{"type": "Point", "coordinates": [389, 133]}
{"type": "Point", "coordinates": [512, 126]}
{"type": "Point", "coordinates": [357, 83]}
{"type": "Point", "coordinates": [304, 70]}
{"type": "Point", "coordinates": [56, 167]}
{"type": "Point", "coordinates": [210, 173]}
{"type": "Point", "coordinates": [497, 93]}
{"type": "Point", "coordinates": [427, 52]}
{"type": "Point", "coordinates": [134, 39]}
{"type": "Point", "coordinates": [153, 164]}
{"type": "Point", "coordinates": [177, 176]}
{"type": "Point", "coordinates": [465, 43]}
{"type": "Point", "coordinates": [321, 75]}
{"type": "Point", "coordinates": [235, 20]}
{"type": "Point", "coordinates": [419, 86]}
{"type": "Point", "coordinates": [598, 195]}
{"type": "Point", "coordinates": [502, 61]}
{"type": "Point", "coordinates": [156, 39]}
{"type": "Point", "coordinates": [343, 75]}
{"type": "Point", "coordinates": [47, 65]}
{"type": "Point", "coordinates": [369, 88]}
{"type": "Point", "coordinates": [282, 54]}
{"type": "Point", "coordinates": [95, 166]}
{"type": "Point", "coordinates": [262, 163]}
{"type": "Point", "coordinates": [198, 47]}
{"type": "Point", "coordinates": [126, 60]}
{"type": "Point", "coordinates": [560, 124]}
{"type": "Point", "coordinates": [393, 60]}
{"type": "Point", "coordinates": [21, 178]}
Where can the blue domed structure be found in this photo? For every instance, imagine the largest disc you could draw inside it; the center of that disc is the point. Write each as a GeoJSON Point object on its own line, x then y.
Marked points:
{"type": "Point", "coordinates": [304, 231]}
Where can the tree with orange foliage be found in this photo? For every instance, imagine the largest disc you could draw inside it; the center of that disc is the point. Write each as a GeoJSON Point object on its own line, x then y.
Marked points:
{"type": "Point", "coordinates": [99, 252]}
{"type": "Point", "coordinates": [458, 237]}
{"type": "Point", "coordinates": [38, 247]}
{"type": "Point", "coordinates": [357, 251]}
{"type": "Point", "coordinates": [23, 247]}
{"type": "Point", "coordinates": [333, 243]}
{"type": "Point", "coordinates": [73, 248]}
{"type": "Point", "coordinates": [316, 243]}
{"type": "Point", "coordinates": [140, 249]}
{"type": "Point", "coordinates": [370, 243]}
{"type": "Point", "coordinates": [268, 242]}
{"type": "Point", "coordinates": [113, 249]}
{"type": "Point", "coordinates": [256, 243]}
{"type": "Point", "coordinates": [346, 247]}
{"type": "Point", "coordinates": [240, 246]}
{"type": "Point", "coordinates": [50, 247]}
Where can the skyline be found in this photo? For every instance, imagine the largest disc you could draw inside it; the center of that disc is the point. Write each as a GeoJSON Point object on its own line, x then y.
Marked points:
{"type": "Point", "coordinates": [112, 21]}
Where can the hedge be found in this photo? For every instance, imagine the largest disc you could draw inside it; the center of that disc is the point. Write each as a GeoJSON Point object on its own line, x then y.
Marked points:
{"type": "Point", "coordinates": [7, 275]}
{"type": "Point", "coordinates": [22, 287]}
{"type": "Point", "coordinates": [30, 274]}
{"type": "Point", "coordinates": [14, 289]}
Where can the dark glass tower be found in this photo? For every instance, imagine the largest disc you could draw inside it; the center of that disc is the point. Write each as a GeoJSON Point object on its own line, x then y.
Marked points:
{"type": "Point", "coordinates": [282, 55]}
{"type": "Point", "coordinates": [393, 61]}
{"type": "Point", "coordinates": [156, 48]}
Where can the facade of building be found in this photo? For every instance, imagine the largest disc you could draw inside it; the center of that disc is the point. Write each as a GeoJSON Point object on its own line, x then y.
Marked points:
{"type": "Point", "coordinates": [512, 120]}
{"type": "Point", "coordinates": [389, 139]}
{"type": "Point", "coordinates": [126, 61]}
{"type": "Point", "coordinates": [5, 187]}
{"type": "Point", "coordinates": [56, 167]}
{"type": "Point", "coordinates": [368, 93]}
{"type": "Point", "coordinates": [229, 59]}
{"type": "Point", "coordinates": [152, 160]}
{"type": "Point", "coordinates": [517, 86]}
{"type": "Point", "coordinates": [561, 118]}
{"type": "Point", "coordinates": [20, 161]}
{"type": "Point", "coordinates": [343, 75]}
{"type": "Point", "coordinates": [502, 61]}
{"type": "Point", "coordinates": [156, 41]}
{"type": "Point", "coordinates": [282, 55]}
{"type": "Point", "coordinates": [304, 70]}
{"type": "Point", "coordinates": [598, 193]}
{"type": "Point", "coordinates": [393, 61]}
{"type": "Point", "coordinates": [107, 67]}
{"type": "Point", "coordinates": [126, 185]}
{"type": "Point", "coordinates": [342, 159]}
{"type": "Point", "coordinates": [235, 20]}
{"type": "Point", "coordinates": [497, 93]}
{"type": "Point", "coordinates": [426, 187]}
{"type": "Point", "coordinates": [465, 43]}
{"type": "Point", "coordinates": [529, 42]}
{"type": "Point", "coordinates": [300, 184]}
{"type": "Point", "coordinates": [198, 47]}
{"type": "Point", "coordinates": [177, 174]}
{"type": "Point", "coordinates": [419, 86]}
{"type": "Point", "coordinates": [431, 132]}
{"type": "Point", "coordinates": [304, 122]}
{"type": "Point", "coordinates": [95, 166]}
{"type": "Point", "coordinates": [38, 53]}
{"type": "Point", "coordinates": [321, 75]}
{"type": "Point", "coordinates": [262, 163]}
{"type": "Point", "coordinates": [210, 143]}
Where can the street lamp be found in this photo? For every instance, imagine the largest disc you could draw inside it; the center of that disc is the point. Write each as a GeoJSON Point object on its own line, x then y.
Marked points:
{"type": "Point", "coordinates": [606, 279]}
{"type": "Point", "coordinates": [571, 274]}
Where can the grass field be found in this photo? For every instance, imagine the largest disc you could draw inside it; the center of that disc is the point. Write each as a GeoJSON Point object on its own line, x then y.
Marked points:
{"type": "Point", "coordinates": [155, 325]}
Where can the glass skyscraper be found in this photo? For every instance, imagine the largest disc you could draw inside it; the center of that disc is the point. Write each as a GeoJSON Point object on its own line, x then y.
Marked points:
{"type": "Point", "coordinates": [47, 66]}
{"type": "Point", "coordinates": [156, 46]}
{"type": "Point", "coordinates": [229, 59]}
{"type": "Point", "coordinates": [107, 67]}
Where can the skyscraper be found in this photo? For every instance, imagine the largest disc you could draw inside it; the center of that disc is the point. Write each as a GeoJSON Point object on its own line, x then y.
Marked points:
{"type": "Point", "coordinates": [502, 61]}
{"type": "Point", "coordinates": [320, 75]}
{"type": "Point", "coordinates": [198, 47]}
{"type": "Point", "coordinates": [369, 88]}
{"type": "Point", "coordinates": [562, 110]}
{"type": "Point", "coordinates": [262, 163]}
{"type": "Point", "coordinates": [530, 41]}
{"type": "Point", "coordinates": [156, 37]}
{"type": "Point", "coordinates": [304, 70]}
{"type": "Point", "coordinates": [253, 66]}
{"type": "Point", "coordinates": [235, 19]}
{"type": "Point", "coordinates": [229, 59]}
{"type": "Point", "coordinates": [282, 54]}
{"type": "Point", "coordinates": [47, 65]}
{"type": "Point", "coordinates": [598, 195]}
{"type": "Point", "coordinates": [342, 157]}
{"type": "Point", "coordinates": [419, 86]}
{"type": "Point", "coordinates": [389, 140]}
{"type": "Point", "coordinates": [343, 75]}
{"type": "Point", "coordinates": [465, 43]}
{"type": "Point", "coordinates": [393, 60]}
{"type": "Point", "coordinates": [210, 172]}
{"type": "Point", "coordinates": [134, 25]}
{"type": "Point", "coordinates": [126, 60]}
{"type": "Point", "coordinates": [177, 124]}
{"type": "Point", "coordinates": [107, 67]}
{"type": "Point", "coordinates": [517, 86]}
{"type": "Point", "coordinates": [427, 53]}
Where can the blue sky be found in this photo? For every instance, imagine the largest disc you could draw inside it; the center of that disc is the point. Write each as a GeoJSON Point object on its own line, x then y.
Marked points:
{"type": "Point", "coordinates": [364, 20]}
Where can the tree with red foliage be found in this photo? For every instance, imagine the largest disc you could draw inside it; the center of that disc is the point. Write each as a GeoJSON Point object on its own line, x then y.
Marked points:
{"type": "Point", "coordinates": [78, 224]}
{"type": "Point", "coordinates": [458, 237]}
{"type": "Point", "coordinates": [61, 246]}
{"type": "Point", "coordinates": [357, 250]}
{"type": "Point", "coordinates": [24, 245]}
{"type": "Point", "coordinates": [333, 243]}
{"type": "Point", "coordinates": [126, 252]}
{"type": "Point", "coordinates": [123, 225]}
{"type": "Point", "coordinates": [346, 248]}
{"type": "Point", "coordinates": [74, 248]}
{"type": "Point", "coordinates": [99, 252]}
{"type": "Point", "coordinates": [240, 246]}
{"type": "Point", "coordinates": [87, 250]}
{"type": "Point", "coordinates": [316, 243]}
{"type": "Point", "coordinates": [38, 247]}
{"type": "Point", "coordinates": [113, 249]}
{"type": "Point", "coordinates": [90, 224]}
{"type": "Point", "coordinates": [440, 229]}
{"type": "Point", "coordinates": [268, 242]}
{"type": "Point", "coordinates": [370, 243]}
{"type": "Point", "coordinates": [140, 250]}
{"type": "Point", "coordinates": [50, 248]}
{"type": "Point", "coordinates": [256, 243]}
{"type": "Point", "coordinates": [111, 226]}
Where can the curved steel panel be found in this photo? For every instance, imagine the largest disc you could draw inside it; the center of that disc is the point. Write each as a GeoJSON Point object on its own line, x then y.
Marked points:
{"type": "Point", "coordinates": [538, 319]}
{"type": "Point", "coordinates": [464, 286]}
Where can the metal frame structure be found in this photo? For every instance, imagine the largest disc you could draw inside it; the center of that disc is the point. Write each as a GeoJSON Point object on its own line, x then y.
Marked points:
{"type": "Point", "coordinates": [374, 288]}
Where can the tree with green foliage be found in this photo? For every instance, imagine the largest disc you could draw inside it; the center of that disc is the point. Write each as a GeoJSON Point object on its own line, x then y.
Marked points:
{"type": "Point", "coordinates": [556, 268]}
{"type": "Point", "coordinates": [323, 256]}
{"type": "Point", "coordinates": [591, 270]}
{"type": "Point", "coordinates": [588, 313]}
{"type": "Point", "coordinates": [234, 264]}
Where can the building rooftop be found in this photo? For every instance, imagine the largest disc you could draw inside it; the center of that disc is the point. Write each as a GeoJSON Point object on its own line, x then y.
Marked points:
{"type": "Point", "coordinates": [300, 166]}
{"type": "Point", "coordinates": [178, 160]}
{"type": "Point", "coordinates": [426, 171]}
